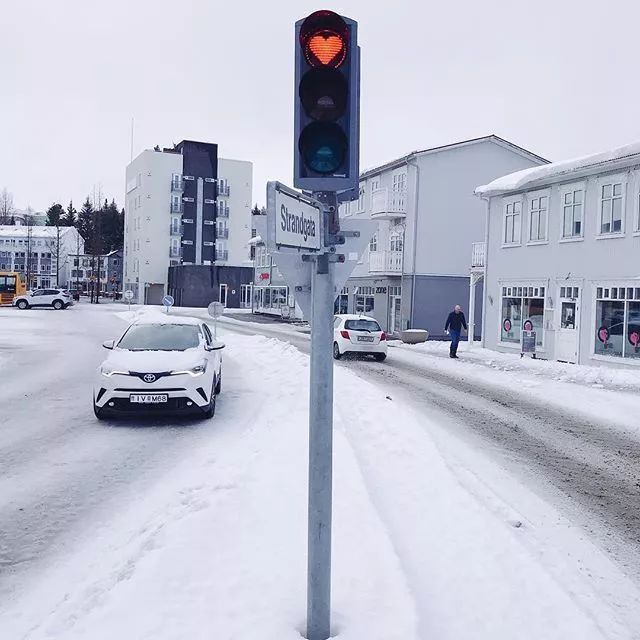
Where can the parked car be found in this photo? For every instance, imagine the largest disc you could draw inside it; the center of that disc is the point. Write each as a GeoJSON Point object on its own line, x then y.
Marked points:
{"type": "Point", "coordinates": [162, 364]}
{"type": "Point", "coordinates": [56, 298]}
{"type": "Point", "coordinates": [358, 334]}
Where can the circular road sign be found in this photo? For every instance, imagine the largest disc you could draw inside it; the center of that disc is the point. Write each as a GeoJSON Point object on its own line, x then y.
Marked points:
{"type": "Point", "coordinates": [167, 301]}
{"type": "Point", "coordinates": [215, 309]}
{"type": "Point", "coordinates": [128, 294]}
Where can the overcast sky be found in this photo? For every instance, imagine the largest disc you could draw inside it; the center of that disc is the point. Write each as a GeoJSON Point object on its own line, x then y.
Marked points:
{"type": "Point", "coordinates": [555, 76]}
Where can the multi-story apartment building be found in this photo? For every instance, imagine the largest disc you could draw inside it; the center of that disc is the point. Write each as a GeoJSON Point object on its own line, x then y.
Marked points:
{"type": "Point", "coordinates": [416, 267]}
{"type": "Point", "coordinates": [42, 254]}
{"type": "Point", "coordinates": [105, 270]}
{"type": "Point", "coordinates": [563, 259]}
{"type": "Point", "coordinates": [185, 207]}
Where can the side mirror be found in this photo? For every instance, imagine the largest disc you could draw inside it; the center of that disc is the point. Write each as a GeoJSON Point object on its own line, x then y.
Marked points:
{"type": "Point", "coordinates": [109, 344]}
{"type": "Point", "coordinates": [216, 346]}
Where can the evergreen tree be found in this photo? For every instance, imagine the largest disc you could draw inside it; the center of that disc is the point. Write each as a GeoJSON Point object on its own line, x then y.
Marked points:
{"type": "Point", "coordinates": [86, 225]}
{"type": "Point", "coordinates": [112, 220]}
{"type": "Point", "coordinates": [55, 215]}
{"type": "Point", "coordinates": [70, 216]}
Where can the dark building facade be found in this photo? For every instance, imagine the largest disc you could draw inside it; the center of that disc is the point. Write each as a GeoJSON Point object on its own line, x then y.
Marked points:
{"type": "Point", "coordinates": [199, 285]}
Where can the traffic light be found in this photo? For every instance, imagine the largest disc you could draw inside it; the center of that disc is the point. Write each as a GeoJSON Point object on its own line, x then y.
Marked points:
{"type": "Point", "coordinates": [327, 103]}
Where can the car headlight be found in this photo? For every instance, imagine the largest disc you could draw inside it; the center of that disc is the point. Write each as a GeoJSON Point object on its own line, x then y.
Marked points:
{"type": "Point", "coordinates": [198, 370]}
{"type": "Point", "coordinates": [108, 371]}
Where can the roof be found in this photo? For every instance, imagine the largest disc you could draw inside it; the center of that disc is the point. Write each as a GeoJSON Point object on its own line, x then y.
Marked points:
{"type": "Point", "coordinates": [563, 170]}
{"type": "Point", "coordinates": [21, 231]}
{"type": "Point", "coordinates": [490, 138]}
{"type": "Point", "coordinates": [156, 316]}
{"type": "Point", "coordinates": [354, 316]}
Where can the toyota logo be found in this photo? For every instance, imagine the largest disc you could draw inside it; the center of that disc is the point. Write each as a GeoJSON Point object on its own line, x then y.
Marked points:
{"type": "Point", "coordinates": [149, 377]}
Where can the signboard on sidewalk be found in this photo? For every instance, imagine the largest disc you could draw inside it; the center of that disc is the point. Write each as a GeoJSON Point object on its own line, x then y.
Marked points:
{"type": "Point", "coordinates": [529, 342]}
{"type": "Point", "coordinates": [293, 220]}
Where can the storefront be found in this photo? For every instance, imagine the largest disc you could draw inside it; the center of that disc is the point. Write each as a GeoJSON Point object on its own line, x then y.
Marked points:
{"type": "Point", "coordinates": [523, 308]}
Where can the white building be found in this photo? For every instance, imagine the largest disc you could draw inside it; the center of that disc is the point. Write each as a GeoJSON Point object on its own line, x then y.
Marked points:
{"type": "Point", "coordinates": [42, 253]}
{"type": "Point", "coordinates": [417, 264]}
{"type": "Point", "coordinates": [184, 206]}
{"type": "Point", "coordinates": [563, 259]}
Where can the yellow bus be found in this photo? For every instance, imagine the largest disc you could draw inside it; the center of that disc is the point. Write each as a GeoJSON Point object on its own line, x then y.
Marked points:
{"type": "Point", "coordinates": [12, 284]}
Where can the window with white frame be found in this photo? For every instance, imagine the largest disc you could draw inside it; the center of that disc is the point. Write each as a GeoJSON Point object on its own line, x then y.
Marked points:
{"type": "Point", "coordinates": [373, 243]}
{"type": "Point", "coordinates": [512, 222]}
{"type": "Point", "coordinates": [364, 300]}
{"type": "Point", "coordinates": [572, 213]}
{"type": "Point", "coordinates": [361, 194]}
{"type": "Point", "coordinates": [637, 229]}
{"type": "Point", "coordinates": [611, 207]}
{"type": "Point", "coordinates": [538, 215]}
{"type": "Point", "coordinates": [522, 308]}
{"type": "Point", "coordinates": [617, 322]}
{"type": "Point", "coordinates": [395, 241]}
{"type": "Point", "coordinates": [400, 181]}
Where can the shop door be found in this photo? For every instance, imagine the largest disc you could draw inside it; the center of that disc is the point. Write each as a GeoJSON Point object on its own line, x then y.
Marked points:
{"type": "Point", "coordinates": [396, 305]}
{"type": "Point", "coordinates": [568, 331]}
{"type": "Point", "coordinates": [223, 294]}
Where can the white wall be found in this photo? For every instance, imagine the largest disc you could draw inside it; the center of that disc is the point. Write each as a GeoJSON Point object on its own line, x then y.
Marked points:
{"type": "Point", "coordinates": [239, 175]}
{"type": "Point", "coordinates": [147, 219]}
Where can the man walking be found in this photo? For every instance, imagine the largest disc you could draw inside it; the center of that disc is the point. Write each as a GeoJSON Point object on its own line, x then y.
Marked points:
{"type": "Point", "coordinates": [454, 325]}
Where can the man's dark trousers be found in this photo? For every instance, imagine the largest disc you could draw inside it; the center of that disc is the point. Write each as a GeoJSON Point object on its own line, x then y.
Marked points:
{"type": "Point", "coordinates": [455, 339]}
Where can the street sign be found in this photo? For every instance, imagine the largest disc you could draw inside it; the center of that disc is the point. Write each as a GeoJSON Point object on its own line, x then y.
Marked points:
{"type": "Point", "coordinates": [528, 342]}
{"type": "Point", "coordinates": [128, 294]}
{"type": "Point", "coordinates": [294, 220]}
{"type": "Point", "coordinates": [167, 301]}
{"type": "Point", "coordinates": [215, 309]}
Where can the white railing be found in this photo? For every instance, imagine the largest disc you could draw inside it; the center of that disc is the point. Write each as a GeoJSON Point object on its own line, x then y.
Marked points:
{"type": "Point", "coordinates": [478, 252]}
{"type": "Point", "coordinates": [385, 261]}
{"type": "Point", "coordinates": [388, 201]}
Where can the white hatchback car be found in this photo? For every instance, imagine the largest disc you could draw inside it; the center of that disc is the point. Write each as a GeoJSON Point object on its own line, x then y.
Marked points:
{"type": "Point", "coordinates": [358, 334]}
{"type": "Point", "coordinates": [56, 298]}
{"type": "Point", "coordinates": [162, 364]}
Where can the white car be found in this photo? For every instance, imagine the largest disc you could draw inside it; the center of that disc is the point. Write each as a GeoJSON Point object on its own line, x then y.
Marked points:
{"type": "Point", "coordinates": [56, 298]}
{"type": "Point", "coordinates": [358, 334]}
{"type": "Point", "coordinates": [162, 364]}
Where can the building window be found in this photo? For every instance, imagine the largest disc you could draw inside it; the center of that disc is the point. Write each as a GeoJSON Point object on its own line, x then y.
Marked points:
{"type": "Point", "coordinates": [522, 308]}
{"type": "Point", "coordinates": [538, 213]}
{"type": "Point", "coordinates": [361, 194]}
{"type": "Point", "coordinates": [638, 216]}
{"type": "Point", "coordinates": [617, 330]}
{"type": "Point", "coordinates": [373, 243]}
{"type": "Point", "coordinates": [395, 241]}
{"type": "Point", "coordinates": [512, 215]}
{"type": "Point", "coordinates": [572, 214]}
{"type": "Point", "coordinates": [364, 300]}
{"type": "Point", "coordinates": [400, 181]}
{"type": "Point", "coordinates": [611, 202]}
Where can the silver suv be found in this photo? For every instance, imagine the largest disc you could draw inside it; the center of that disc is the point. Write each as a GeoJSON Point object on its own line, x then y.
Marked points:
{"type": "Point", "coordinates": [56, 298]}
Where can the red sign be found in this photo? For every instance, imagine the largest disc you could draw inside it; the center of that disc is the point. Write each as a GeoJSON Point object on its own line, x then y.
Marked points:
{"type": "Point", "coordinates": [507, 325]}
{"type": "Point", "coordinates": [634, 338]}
{"type": "Point", "coordinates": [264, 276]}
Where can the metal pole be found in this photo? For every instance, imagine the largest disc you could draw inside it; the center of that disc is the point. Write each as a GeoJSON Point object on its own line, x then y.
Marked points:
{"type": "Point", "coordinates": [320, 451]}
{"type": "Point", "coordinates": [472, 310]}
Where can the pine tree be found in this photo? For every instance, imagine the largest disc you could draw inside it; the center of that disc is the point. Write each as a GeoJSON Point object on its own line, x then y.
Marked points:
{"type": "Point", "coordinates": [70, 216]}
{"type": "Point", "coordinates": [55, 215]}
{"type": "Point", "coordinates": [112, 226]}
{"type": "Point", "coordinates": [86, 225]}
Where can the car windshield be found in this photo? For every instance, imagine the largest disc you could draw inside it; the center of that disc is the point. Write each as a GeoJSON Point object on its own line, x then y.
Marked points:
{"type": "Point", "coordinates": [362, 325]}
{"type": "Point", "coordinates": [160, 337]}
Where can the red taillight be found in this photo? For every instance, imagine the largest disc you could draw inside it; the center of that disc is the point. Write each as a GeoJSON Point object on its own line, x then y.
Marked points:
{"type": "Point", "coordinates": [345, 334]}
{"type": "Point", "coordinates": [383, 336]}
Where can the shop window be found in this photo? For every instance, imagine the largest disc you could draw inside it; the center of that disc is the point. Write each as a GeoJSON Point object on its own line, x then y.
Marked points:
{"type": "Point", "coordinates": [364, 300]}
{"type": "Point", "coordinates": [341, 304]}
{"type": "Point", "coordinates": [522, 308]}
{"type": "Point", "coordinates": [617, 330]}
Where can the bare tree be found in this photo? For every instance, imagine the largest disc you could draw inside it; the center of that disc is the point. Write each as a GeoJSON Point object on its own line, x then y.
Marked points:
{"type": "Point", "coordinates": [6, 206]}
{"type": "Point", "coordinates": [59, 259]}
{"type": "Point", "coordinates": [28, 223]}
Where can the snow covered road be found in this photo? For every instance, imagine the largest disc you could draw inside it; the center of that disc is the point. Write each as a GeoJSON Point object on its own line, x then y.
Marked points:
{"type": "Point", "coordinates": [452, 518]}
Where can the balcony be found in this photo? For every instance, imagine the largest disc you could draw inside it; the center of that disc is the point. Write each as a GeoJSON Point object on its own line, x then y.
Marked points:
{"type": "Point", "coordinates": [387, 204]}
{"type": "Point", "coordinates": [222, 255]}
{"type": "Point", "coordinates": [176, 207]}
{"type": "Point", "coordinates": [223, 211]}
{"type": "Point", "coordinates": [478, 253]}
{"type": "Point", "coordinates": [224, 190]}
{"type": "Point", "coordinates": [222, 234]}
{"type": "Point", "coordinates": [175, 252]}
{"type": "Point", "coordinates": [389, 262]}
{"type": "Point", "coordinates": [177, 184]}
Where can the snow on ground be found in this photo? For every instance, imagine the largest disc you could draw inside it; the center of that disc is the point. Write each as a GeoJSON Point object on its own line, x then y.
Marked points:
{"type": "Point", "coordinates": [217, 548]}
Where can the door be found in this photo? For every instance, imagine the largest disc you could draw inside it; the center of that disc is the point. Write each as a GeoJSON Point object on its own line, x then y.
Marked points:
{"type": "Point", "coordinates": [396, 304]}
{"type": "Point", "coordinates": [568, 330]}
{"type": "Point", "coordinates": [223, 294]}
{"type": "Point", "coordinates": [245, 296]}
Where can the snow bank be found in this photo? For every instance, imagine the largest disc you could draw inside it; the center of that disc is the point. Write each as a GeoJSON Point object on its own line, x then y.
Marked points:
{"type": "Point", "coordinates": [217, 548]}
{"type": "Point", "coordinates": [527, 177]}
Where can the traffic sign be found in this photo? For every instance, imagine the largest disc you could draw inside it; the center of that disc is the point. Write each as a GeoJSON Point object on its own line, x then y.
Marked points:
{"type": "Point", "coordinates": [128, 294]}
{"type": "Point", "coordinates": [215, 309]}
{"type": "Point", "coordinates": [167, 301]}
{"type": "Point", "coordinates": [294, 221]}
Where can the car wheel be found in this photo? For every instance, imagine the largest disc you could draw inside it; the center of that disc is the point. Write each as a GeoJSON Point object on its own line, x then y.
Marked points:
{"type": "Point", "coordinates": [210, 411]}
{"type": "Point", "coordinates": [380, 357]}
{"type": "Point", "coordinates": [100, 414]}
{"type": "Point", "coordinates": [336, 351]}
{"type": "Point", "coordinates": [218, 388]}
{"type": "Point", "coordinates": [22, 304]}
{"type": "Point", "coordinates": [58, 304]}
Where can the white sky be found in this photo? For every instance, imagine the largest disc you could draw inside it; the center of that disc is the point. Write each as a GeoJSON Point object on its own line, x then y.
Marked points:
{"type": "Point", "coordinates": [555, 76]}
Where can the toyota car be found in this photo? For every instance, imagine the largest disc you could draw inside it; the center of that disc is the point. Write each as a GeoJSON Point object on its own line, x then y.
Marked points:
{"type": "Point", "coordinates": [161, 365]}
{"type": "Point", "coordinates": [358, 334]}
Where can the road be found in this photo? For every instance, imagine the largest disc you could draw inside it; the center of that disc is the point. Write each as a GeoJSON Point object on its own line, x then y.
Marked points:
{"type": "Point", "coordinates": [587, 469]}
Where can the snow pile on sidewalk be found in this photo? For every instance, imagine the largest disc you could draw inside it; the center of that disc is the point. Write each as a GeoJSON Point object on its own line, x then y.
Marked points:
{"type": "Point", "coordinates": [623, 378]}
{"type": "Point", "coordinates": [218, 549]}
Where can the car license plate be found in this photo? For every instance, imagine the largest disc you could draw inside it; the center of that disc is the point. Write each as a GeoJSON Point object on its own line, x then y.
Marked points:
{"type": "Point", "coordinates": [149, 398]}
{"type": "Point", "coordinates": [365, 338]}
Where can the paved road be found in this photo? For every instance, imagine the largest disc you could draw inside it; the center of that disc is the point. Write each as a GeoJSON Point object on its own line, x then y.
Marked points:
{"type": "Point", "coordinates": [590, 470]}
